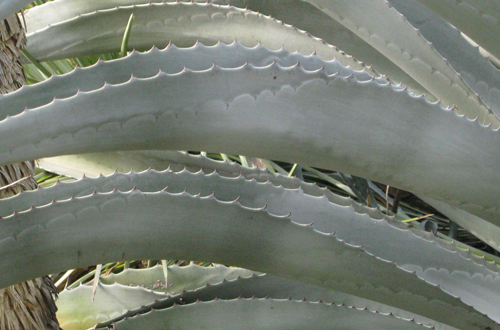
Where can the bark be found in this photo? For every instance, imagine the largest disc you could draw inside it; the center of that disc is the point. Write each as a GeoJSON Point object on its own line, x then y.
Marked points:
{"type": "Point", "coordinates": [30, 305]}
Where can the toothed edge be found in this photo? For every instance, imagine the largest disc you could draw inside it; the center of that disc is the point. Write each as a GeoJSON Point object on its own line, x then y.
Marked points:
{"type": "Point", "coordinates": [135, 192]}
{"type": "Point", "coordinates": [431, 238]}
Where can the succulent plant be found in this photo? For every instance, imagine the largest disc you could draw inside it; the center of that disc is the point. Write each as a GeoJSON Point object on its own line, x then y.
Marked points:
{"type": "Point", "coordinates": [389, 90]}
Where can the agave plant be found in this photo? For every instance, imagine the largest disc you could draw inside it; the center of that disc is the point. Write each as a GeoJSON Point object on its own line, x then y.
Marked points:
{"type": "Point", "coordinates": [393, 91]}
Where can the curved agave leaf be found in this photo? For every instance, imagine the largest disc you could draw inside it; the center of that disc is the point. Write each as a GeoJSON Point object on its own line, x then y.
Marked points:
{"type": "Point", "coordinates": [178, 22]}
{"type": "Point", "coordinates": [480, 20]}
{"type": "Point", "coordinates": [233, 187]}
{"type": "Point", "coordinates": [169, 60]}
{"type": "Point", "coordinates": [152, 181]}
{"type": "Point", "coordinates": [9, 7]}
{"type": "Point", "coordinates": [276, 288]}
{"type": "Point", "coordinates": [265, 314]}
{"type": "Point", "coordinates": [78, 311]}
{"type": "Point", "coordinates": [476, 70]}
{"type": "Point", "coordinates": [93, 165]}
{"type": "Point", "coordinates": [295, 12]}
{"type": "Point", "coordinates": [301, 201]}
{"type": "Point", "coordinates": [305, 16]}
{"type": "Point", "coordinates": [353, 228]}
{"type": "Point", "coordinates": [405, 46]}
{"type": "Point", "coordinates": [98, 164]}
{"type": "Point", "coordinates": [105, 228]}
{"type": "Point", "coordinates": [189, 277]}
{"type": "Point", "coordinates": [157, 113]}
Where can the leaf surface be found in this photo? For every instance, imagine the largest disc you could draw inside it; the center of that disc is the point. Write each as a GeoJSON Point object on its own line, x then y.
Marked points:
{"type": "Point", "coordinates": [336, 117]}
{"type": "Point", "coordinates": [389, 32]}
{"type": "Point", "coordinates": [463, 277]}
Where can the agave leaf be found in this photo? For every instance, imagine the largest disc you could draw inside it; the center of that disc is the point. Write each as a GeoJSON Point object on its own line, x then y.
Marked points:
{"type": "Point", "coordinates": [475, 69]}
{"type": "Point", "coordinates": [189, 277]}
{"type": "Point", "coordinates": [265, 314]}
{"type": "Point", "coordinates": [305, 16]}
{"type": "Point", "coordinates": [93, 165]}
{"type": "Point", "coordinates": [131, 289]}
{"type": "Point", "coordinates": [461, 277]}
{"type": "Point", "coordinates": [169, 60]}
{"type": "Point", "coordinates": [404, 45]}
{"type": "Point", "coordinates": [153, 180]}
{"type": "Point", "coordinates": [277, 288]}
{"type": "Point", "coordinates": [9, 7]}
{"type": "Point", "coordinates": [480, 20]}
{"type": "Point", "coordinates": [77, 311]}
{"type": "Point", "coordinates": [188, 230]}
{"type": "Point", "coordinates": [302, 203]}
{"type": "Point", "coordinates": [295, 12]}
{"type": "Point", "coordinates": [153, 113]}
{"type": "Point", "coordinates": [178, 22]}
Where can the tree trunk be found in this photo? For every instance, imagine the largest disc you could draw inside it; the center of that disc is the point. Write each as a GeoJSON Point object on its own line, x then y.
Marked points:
{"type": "Point", "coordinates": [30, 305]}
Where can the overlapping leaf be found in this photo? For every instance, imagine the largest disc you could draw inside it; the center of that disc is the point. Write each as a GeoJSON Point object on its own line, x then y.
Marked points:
{"type": "Point", "coordinates": [475, 70]}
{"type": "Point", "coordinates": [480, 20]}
{"type": "Point", "coordinates": [265, 314]}
{"type": "Point", "coordinates": [178, 22]}
{"type": "Point", "coordinates": [295, 12]}
{"type": "Point", "coordinates": [277, 288]}
{"type": "Point", "coordinates": [405, 46]}
{"type": "Point", "coordinates": [129, 290]}
{"type": "Point", "coordinates": [170, 60]}
{"type": "Point", "coordinates": [337, 117]}
{"type": "Point", "coordinates": [8, 7]}
{"type": "Point", "coordinates": [464, 278]}
{"type": "Point", "coordinates": [348, 123]}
